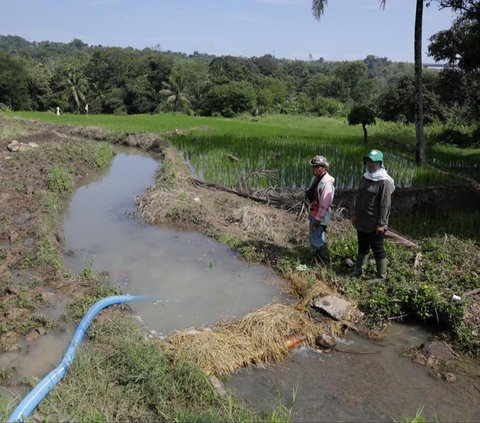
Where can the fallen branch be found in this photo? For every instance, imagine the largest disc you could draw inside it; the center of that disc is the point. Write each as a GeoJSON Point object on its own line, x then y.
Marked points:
{"type": "Point", "coordinates": [269, 196]}
{"type": "Point", "coordinates": [399, 239]}
{"type": "Point", "coordinates": [472, 292]}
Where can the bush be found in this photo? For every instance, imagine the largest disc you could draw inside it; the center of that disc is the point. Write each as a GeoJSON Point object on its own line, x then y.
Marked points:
{"type": "Point", "coordinates": [460, 138]}
{"type": "Point", "coordinates": [230, 98]}
{"type": "Point", "coordinates": [330, 107]}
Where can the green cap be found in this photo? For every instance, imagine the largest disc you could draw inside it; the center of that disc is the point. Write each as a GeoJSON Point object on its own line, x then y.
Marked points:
{"type": "Point", "coordinates": [374, 155]}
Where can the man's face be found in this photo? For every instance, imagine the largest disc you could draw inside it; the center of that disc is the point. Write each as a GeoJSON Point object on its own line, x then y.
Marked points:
{"type": "Point", "coordinates": [318, 170]}
{"type": "Point", "coordinates": [371, 165]}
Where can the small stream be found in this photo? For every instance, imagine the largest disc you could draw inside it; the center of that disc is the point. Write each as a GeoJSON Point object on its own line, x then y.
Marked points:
{"type": "Point", "coordinates": [195, 281]}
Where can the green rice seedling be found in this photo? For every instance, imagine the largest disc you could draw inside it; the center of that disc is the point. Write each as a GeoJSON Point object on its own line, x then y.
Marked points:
{"type": "Point", "coordinates": [283, 143]}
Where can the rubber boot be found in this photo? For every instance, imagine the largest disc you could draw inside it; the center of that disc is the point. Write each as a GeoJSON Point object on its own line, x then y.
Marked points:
{"type": "Point", "coordinates": [381, 268]}
{"type": "Point", "coordinates": [381, 273]}
{"type": "Point", "coordinates": [359, 265]}
{"type": "Point", "coordinates": [322, 255]}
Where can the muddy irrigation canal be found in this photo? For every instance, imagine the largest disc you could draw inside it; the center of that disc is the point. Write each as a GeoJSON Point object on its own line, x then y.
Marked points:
{"type": "Point", "coordinates": [195, 282]}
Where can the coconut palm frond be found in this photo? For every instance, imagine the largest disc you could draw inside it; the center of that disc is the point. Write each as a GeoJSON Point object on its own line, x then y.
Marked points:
{"type": "Point", "coordinates": [318, 7]}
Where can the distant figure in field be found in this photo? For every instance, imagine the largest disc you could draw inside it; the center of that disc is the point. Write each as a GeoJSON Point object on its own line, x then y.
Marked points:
{"type": "Point", "coordinates": [58, 111]}
{"type": "Point", "coordinates": [86, 108]}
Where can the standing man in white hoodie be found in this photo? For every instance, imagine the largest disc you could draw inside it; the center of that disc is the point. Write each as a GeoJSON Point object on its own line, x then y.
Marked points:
{"type": "Point", "coordinates": [320, 196]}
{"type": "Point", "coordinates": [372, 210]}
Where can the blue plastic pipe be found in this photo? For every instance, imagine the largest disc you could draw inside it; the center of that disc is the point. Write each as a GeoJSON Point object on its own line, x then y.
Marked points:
{"type": "Point", "coordinates": [30, 402]}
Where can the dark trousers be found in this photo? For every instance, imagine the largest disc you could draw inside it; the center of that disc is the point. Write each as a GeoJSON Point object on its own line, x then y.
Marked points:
{"type": "Point", "coordinates": [371, 240]}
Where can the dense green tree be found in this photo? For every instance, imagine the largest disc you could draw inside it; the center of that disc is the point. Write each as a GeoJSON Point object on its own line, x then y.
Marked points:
{"type": "Point", "coordinates": [362, 115]}
{"type": "Point", "coordinates": [460, 47]}
{"type": "Point", "coordinates": [174, 91]}
{"type": "Point", "coordinates": [158, 69]}
{"type": "Point", "coordinates": [398, 103]}
{"type": "Point", "coordinates": [140, 96]}
{"type": "Point", "coordinates": [230, 98]}
{"type": "Point", "coordinates": [277, 88]}
{"type": "Point", "coordinates": [39, 86]}
{"type": "Point", "coordinates": [355, 85]}
{"type": "Point", "coordinates": [327, 106]}
{"type": "Point", "coordinates": [110, 71]}
{"type": "Point", "coordinates": [323, 85]}
{"type": "Point", "coordinates": [268, 66]}
{"type": "Point", "coordinates": [13, 82]}
{"type": "Point", "coordinates": [229, 68]}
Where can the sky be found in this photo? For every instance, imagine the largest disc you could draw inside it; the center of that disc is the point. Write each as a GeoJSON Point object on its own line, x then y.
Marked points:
{"type": "Point", "coordinates": [348, 30]}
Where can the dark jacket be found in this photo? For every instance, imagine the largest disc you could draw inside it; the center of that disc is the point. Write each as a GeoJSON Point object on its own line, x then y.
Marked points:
{"type": "Point", "coordinates": [373, 204]}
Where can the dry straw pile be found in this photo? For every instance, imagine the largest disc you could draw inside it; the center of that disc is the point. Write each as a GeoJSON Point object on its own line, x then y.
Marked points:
{"type": "Point", "coordinates": [259, 337]}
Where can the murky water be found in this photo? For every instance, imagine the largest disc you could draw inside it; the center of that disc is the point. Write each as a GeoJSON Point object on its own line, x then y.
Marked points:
{"type": "Point", "coordinates": [372, 382]}
{"type": "Point", "coordinates": [195, 280]}
{"type": "Point", "coordinates": [39, 357]}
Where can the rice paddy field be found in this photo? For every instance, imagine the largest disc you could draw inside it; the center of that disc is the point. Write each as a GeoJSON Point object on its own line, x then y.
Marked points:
{"type": "Point", "coordinates": [225, 150]}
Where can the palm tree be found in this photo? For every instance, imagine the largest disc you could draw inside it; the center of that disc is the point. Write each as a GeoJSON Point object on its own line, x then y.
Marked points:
{"type": "Point", "coordinates": [175, 91]}
{"type": "Point", "coordinates": [318, 7]}
{"type": "Point", "coordinates": [77, 86]}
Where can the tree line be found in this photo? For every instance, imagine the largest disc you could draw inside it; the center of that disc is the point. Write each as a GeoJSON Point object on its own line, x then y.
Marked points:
{"type": "Point", "coordinates": [44, 75]}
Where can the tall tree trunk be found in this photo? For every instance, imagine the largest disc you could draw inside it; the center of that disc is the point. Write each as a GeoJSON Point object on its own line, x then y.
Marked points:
{"type": "Point", "coordinates": [420, 150]}
{"type": "Point", "coordinates": [365, 133]}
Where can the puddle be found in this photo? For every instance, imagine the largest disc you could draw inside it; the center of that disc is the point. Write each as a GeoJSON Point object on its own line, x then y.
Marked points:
{"type": "Point", "coordinates": [381, 385]}
{"type": "Point", "coordinates": [195, 280]}
{"type": "Point", "coordinates": [40, 356]}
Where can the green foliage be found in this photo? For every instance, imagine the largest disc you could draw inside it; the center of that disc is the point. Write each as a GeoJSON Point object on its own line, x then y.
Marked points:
{"type": "Point", "coordinates": [59, 179]}
{"type": "Point", "coordinates": [97, 155]}
{"type": "Point", "coordinates": [361, 115]}
{"type": "Point", "coordinates": [13, 83]}
{"type": "Point", "coordinates": [49, 253]}
{"type": "Point", "coordinates": [423, 292]}
{"type": "Point", "coordinates": [329, 107]}
{"type": "Point", "coordinates": [398, 102]}
{"type": "Point", "coordinates": [230, 99]}
{"type": "Point", "coordinates": [230, 240]}
{"type": "Point", "coordinates": [120, 81]}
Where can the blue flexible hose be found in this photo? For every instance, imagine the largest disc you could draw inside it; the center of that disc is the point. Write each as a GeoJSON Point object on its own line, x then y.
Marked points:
{"type": "Point", "coordinates": [30, 402]}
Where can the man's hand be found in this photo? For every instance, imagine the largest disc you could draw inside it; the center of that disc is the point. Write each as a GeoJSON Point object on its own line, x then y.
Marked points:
{"type": "Point", "coordinates": [380, 229]}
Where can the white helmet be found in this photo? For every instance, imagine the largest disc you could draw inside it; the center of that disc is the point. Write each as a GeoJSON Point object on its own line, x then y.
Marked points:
{"type": "Point", "coordinates": [319, 161]}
